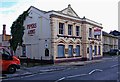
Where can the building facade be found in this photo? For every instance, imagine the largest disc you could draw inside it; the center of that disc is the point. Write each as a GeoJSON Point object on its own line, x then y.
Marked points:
{"type": "Point", "coordinates": [109, 42]}
{"type": "Point", "coordinates": [116, 33]}
{"type": "Point", "coordinates": [4, 38]}
{"type": "Point", "coordinates": [61, 36]}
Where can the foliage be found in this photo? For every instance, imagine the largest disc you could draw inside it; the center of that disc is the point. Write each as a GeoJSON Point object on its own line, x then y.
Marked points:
{"type": "Point", "coordinates": [17, 31]}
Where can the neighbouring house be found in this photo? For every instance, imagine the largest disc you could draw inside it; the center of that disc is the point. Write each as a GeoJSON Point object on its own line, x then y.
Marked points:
{"type": "Point", "coordinates": [116, 33]}
{"type": "Point", "coordinates": [109, 42]}
{"type": "Point", "coordinates": [4, 38]}
{"type": "Point", "coordinates": [60, 36]}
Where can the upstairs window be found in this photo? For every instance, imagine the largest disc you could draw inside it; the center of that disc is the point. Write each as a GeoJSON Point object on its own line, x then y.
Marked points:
{"type": "Point", "coordinates": [69, 29]}
{"type": "Point", "coordinates": [77, 31]}
{"type": "Point", "coordinates": [95, 36]}
{"type": "Point", "coordinates": [61, 28]}
{"type": "Point", "coordinates": [90, 32]}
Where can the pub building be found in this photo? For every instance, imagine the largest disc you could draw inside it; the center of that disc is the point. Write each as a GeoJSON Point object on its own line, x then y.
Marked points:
{"type": "Point", "coordinates": [60, 36]}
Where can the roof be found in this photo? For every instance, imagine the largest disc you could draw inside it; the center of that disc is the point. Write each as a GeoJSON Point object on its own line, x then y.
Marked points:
{"type": "Point", "coordinates": [107, 34]}
{"type": "Point", "coordinates": [70, 13]}
{"type": "Point", "coordinates": [37, 9]}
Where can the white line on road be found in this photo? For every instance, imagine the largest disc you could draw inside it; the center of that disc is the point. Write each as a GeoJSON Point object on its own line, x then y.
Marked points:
{"type": "Point", "coordinates": [76, 75]}
{"type": "Point", "coordinates": [95, 70]}
{"type": "Point", "coordinates": [60, 79]}
{"type": "Point", "coordinates": [114, 65]}
{"type": "Point", "coordinates": [70, 77]}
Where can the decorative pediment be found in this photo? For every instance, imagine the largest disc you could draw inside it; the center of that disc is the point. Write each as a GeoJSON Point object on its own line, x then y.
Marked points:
{"type": "Point", "coordinates": [71, 42]}
{"type": "Point", "coordinates": [61, 41]}
{"type": "Point", "coordinates": [78, 42]}
{"type": "Point", "coordinates": [69, 11]}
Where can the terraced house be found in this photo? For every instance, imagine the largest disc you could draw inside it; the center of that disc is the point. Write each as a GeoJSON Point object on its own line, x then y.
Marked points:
{"type": "Point", "coordinates": [61, 36]}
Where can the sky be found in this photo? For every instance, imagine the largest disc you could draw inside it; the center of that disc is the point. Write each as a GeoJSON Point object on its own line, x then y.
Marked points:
{"type": "Point", "coordinates": [101, 11]}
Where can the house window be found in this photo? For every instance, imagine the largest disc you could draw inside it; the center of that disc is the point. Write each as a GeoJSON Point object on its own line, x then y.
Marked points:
{"type": "Point", "coordinates": [61, 28]}
{"type": "Point", "coordinates": [61, 50]}
{"type": "Point", "coordinates": [99, 50]}
{"type": "Point", "coordinates": [95, 36]}
{"type": "Point", "coordinates": [95, 50]}
{"type": "Point", "coordinates": [46, 52]}
{"type": "Point", "coordinates": [90, 32]}
{"type": "Point", "coordinates": [23, 50]}
{"type": "Point", "coordinates": [78, 50]}
{"type": "Point", "coordinates": [99, 36]}
{"type": "Point", "coordinates": [77, 30]}
{"type": "Point", "coordinates": [70, 50]}
{"type": "Point", "coordinates": [69, 29]}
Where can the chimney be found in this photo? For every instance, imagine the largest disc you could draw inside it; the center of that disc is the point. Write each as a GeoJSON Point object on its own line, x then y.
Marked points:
{"type": "Point", "coordinates": [4, 29]}
{"type": "Point", "coordinates": [69, 6]}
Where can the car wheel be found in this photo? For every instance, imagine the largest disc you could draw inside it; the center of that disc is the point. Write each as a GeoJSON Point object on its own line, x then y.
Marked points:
{"type": "Point", "coordinates": [12, 69]}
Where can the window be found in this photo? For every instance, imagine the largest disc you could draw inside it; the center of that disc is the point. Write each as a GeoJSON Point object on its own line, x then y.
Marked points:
{"type": "Point", "coordinates": [61, 28]}
{"type": "Point", "coordinates": [77, 30]}
{"type": "Point", "coordinates": [5, 55]}
{"type": "Point", "coordinates": [70, 50]}
{"type": "Point", "coordinates": [95, 36]}
{"type": "Point", "coordinates": [23, 50]}
{"type": "Point", "coordinates": [69, 29]}
{"type": "Point", "coordinates": [61, 50]}
{"type": "Point", "coordinates": [99, 50]}
{"type": "Point", "coordinates": [99, 36]}
{"type": "Point", "coordinates": [90, 32]}
{"type": "Point", "coordinates": [95, 50]}
{"type": "Point", "coordinates": [78, 50]}
{"type": "Point", "coordinates": [46, 52]}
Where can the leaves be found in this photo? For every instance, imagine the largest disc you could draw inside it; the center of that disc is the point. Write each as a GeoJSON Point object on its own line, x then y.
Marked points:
{"type": "Point", "coordinates": [17, 31]}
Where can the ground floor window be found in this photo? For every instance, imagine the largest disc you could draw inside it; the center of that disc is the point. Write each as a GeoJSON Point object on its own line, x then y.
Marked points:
{"type": "Point", "coordinates": [46, 52]}
{"type": "Point", "coordinates": [61, 50]}
{"type": "Point", "coordinates": [78, 50]}
{"type": "Point", "coordinates": [70, 50]}
{"type": "Point", "coordinates": [99, 50]}
{"type": "Point", "coordinates": [95, 50]}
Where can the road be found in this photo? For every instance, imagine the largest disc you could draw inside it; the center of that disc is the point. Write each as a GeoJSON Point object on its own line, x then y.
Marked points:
{"type": "Point", "coordinates": [101, 71]}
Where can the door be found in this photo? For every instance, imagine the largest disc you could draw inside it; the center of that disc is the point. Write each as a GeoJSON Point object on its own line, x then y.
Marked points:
{"type": "Point", "coordinates": [5, 60]}
{"type": "Point", "coordinates": [90, 52]}
{"type": "Point", "coordinates": [70, 52]}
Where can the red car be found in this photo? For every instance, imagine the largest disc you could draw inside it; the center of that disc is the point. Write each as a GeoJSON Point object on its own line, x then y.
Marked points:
{"type": "Point", "coordinates": [8, 62]}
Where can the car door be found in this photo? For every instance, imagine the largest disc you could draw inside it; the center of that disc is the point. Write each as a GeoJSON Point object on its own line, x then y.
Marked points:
{"type": "Point", "coordinates": [6, 59]}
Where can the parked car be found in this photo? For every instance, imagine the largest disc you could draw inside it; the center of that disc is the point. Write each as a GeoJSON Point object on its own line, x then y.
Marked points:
{"type": "Point", "coordinates": [114, 52]}
{"type": "Point", "coordinates": [8, 62]}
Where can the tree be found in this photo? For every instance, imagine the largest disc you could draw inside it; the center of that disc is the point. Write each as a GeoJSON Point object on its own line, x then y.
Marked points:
{"type": "Point", "coordinates": [17, 31]}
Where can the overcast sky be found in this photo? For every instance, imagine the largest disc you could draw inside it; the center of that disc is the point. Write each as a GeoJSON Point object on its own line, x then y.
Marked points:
{"type": "Point", "coordinates": [101, 11]}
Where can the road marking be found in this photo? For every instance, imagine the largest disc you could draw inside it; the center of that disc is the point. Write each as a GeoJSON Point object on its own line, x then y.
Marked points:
{"type": "Point", "coordinates": [95, 70]}
{"type": "Point", "coordinates": [76, 76]}
{"type": "Point", "coordinates": [60, 79]}
{"type": "Point", "coordinates": [70, 77]}
{"type": "Point", "coordinates": [114, 65]}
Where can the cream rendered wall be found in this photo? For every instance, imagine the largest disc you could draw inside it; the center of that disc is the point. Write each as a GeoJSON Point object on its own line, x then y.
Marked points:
{"type": "Point", "coordinates": [55, 32]}
{"type": "Point", "coordinates": [97, 43]}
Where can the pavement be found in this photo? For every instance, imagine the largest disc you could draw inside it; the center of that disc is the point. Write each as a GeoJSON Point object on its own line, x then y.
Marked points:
{"type": "Point", "coordinates": [25, 71]}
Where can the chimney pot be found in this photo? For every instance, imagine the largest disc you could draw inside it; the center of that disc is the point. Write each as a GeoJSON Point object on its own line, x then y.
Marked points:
{"type": "Point", "coordinates": [4, 29]}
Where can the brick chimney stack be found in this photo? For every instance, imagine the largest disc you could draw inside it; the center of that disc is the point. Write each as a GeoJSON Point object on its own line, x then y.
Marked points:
{"type": "Point", "coordinates": [4, 29]}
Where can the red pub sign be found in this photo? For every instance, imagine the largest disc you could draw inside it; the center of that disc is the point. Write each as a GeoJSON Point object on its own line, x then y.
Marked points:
{"type": "Point", "coordinates": [97, 31]}
{"type": "Point", "coordinates": [31, 29]}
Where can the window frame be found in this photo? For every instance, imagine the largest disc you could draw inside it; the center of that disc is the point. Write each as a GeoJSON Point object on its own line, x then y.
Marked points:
{"type": "Point", "coordinates": [77, 30]}
{"type": "Point", "coordinates": [61, 28]}
{"type": "Point", "coordinates": [70, 29]}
